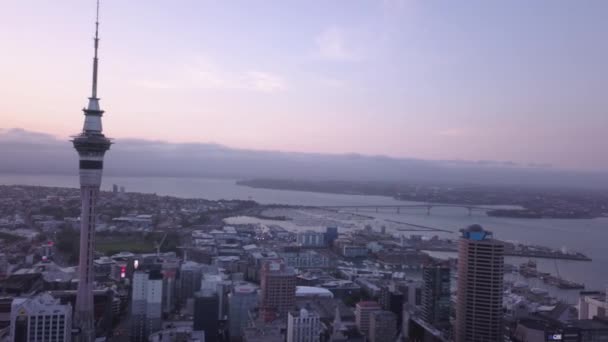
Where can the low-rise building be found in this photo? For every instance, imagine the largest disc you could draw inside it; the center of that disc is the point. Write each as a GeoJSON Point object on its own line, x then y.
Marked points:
{"type": "Point", "coordinates": [592, 304]}
{"type": "Point", "coordinates": [307, 259]}
{"type": "Point", "coordinates": [363, 311]}
{"type": "Point", "coordinates": [311, 238]}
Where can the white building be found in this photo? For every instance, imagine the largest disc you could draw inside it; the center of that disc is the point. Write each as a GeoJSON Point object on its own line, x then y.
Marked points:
{"type": "Point", "coordinates": [303, 326]}
{"type": "Point", "coordinates": [592, 304]}
{"type": "Point", "coordinates": [146, 304]}
{"type": "Point", "coordinates": [41, 318]}
{"type": "Point", "coordinates": [313, 292]}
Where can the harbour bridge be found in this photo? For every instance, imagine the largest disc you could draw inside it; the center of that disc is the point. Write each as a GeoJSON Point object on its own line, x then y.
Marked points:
{"type": "Point", "coordinates": [398, 207]}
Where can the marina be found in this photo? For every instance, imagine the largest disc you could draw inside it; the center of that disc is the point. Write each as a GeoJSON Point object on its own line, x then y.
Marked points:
{"type": "Point", "coordinates": [529, 270]}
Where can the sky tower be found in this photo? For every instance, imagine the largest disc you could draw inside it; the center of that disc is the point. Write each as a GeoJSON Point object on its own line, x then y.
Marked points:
{"type": "Point", "coordinates": [91, 146]}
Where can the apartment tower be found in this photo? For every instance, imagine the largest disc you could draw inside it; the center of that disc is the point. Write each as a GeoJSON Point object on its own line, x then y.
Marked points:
{"type": "Point", "coordinates": [479, 310]}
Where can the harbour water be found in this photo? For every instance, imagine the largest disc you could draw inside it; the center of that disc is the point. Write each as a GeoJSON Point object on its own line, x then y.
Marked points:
{"type": "Point", "coordinates": [589, 236]}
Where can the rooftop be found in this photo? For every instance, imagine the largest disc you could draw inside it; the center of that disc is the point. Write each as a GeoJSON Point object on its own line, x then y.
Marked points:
{"type": "Point", "coordinates": [476, 232]}
{"type": "Point", "coordinates": [307, 291]}
{"type": "Point", "coordinates": [590, 324]}
{"type": "Point", "coordinates": [368, 304]}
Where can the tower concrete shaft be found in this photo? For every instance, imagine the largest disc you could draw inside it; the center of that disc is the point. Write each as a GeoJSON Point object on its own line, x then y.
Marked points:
{"type": "Point", "coordinates": [91, 146]}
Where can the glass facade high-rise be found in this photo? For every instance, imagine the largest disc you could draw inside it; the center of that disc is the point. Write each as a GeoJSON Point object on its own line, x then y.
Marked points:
{"type": "Point", "coordinates": [436, 296]}
{"type": "Point", "coordinates": [242, 299]}
{"type": "Point", "coordinates": [206, 312]}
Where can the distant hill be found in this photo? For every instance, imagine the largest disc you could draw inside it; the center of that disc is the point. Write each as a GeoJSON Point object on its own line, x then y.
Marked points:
{"type": "Point", "coordinates": [22, 151]}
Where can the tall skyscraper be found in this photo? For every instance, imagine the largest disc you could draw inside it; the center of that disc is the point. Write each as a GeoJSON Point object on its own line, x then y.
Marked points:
{"type": "Point", "coordinates": [436, 297]}
{"type": "Point", "coordinates": [206, 312]}
{"type": "Point", "coordinates": [190, 276]}
{"type": "Point", "coordinates": [242, 299]}
{"type": "Point", "coordinates": [169, 270]}
{"type": "Point", "coordinates": [392, 299]}
{"type": "Point", "coordinates": [146, 304]}
{"type": "Point", "coordinates": [480, 287]}
{"type": "Point", "coordinates": [91, 146]}
{"type": "Point", "coordinates": [303, 326]}
{"type": "Point", "coordinates": [41, 318]}
{"type": "Point", "coordinates": [278, 295]}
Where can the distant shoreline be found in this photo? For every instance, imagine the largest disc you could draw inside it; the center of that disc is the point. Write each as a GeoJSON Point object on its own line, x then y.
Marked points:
{"type": "Point", "coordinates": [539, 211]}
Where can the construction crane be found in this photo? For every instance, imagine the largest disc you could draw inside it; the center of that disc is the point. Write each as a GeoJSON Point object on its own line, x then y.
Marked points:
{"type": "Point", "coordinates": [185, 251]}
{"type": "Point", "coordinates": [160, 244]}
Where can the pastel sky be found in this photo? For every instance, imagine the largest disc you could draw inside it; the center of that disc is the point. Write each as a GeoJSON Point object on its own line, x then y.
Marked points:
{"type": "Point", "coordinates": [517, 80]}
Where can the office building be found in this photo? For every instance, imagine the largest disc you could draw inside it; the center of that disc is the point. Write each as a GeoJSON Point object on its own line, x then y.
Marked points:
{"type": "Point", "coordinates": [303, 326]}
{"type": "Point", "coordinates": [278, 289]}
{"type": "Point", "coordinates": [169, 269]}
{"type": "Point", "coordinates": [223, 289]}
{"type": "Point", "coordinates": [436, 296]}
{"type": "Point", "coordinates": [41, 318]}
{"type": "Point", "coordinates": [102, 268]}
{"type": "Point", "coordinates": [217, 283]}
{"type": "Point", "coordinates": [307, 259]}
{"type": "Point", "coordinates": [331, 234]}
{"type": "Point", "coordinates": [146, 304]}
{"type": "Point", "coordinates": [392, 299]}
{"type": "Point", "coordinates": [383, 326]}
{"type": "Point", "coordinates": [311, 239]}
{"type": "Point", "coordinates": [206, 312]}
{"type": "Point", "coordinates": [479, 310]}
{"type": "Point", "coordinates": [91, 146]}
{"type": "Point", "coordinates": [354, 251]}
{"type": "Point", "coordinates": [363, 312]}
{"type": "Point", "coordinates": [190, 277]}
{"type": "Point", "coordinates": [241, 301]}
{"type": "Point", "coordinates": [412, 292]}
{"type": "Point", "coordinates": [103, 307]}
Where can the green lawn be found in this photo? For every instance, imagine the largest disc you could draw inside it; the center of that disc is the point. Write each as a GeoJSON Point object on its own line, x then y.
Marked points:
{"type": "Point", "coordinates": [109, 246]}
{"type": "Point", "coordinates": [10, 237]}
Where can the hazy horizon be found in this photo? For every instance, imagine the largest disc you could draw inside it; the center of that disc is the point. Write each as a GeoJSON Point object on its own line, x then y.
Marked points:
{"type": "Point", "coordinates": [474, 81]}
{"type": "Point", "coordinates": [41, 153]}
